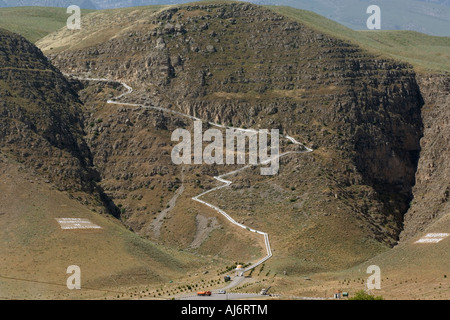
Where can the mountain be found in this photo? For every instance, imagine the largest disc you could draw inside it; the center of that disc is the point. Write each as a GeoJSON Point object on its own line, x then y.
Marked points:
{"type": "Point", "coordinates": [108, 4]}
{"type": "Point", "coordinates": [84, 4]}
{"type": "Point", "coordinates": [375, 182]}
{"type": "Point", "coordinates": [47, 111]}
{"type": "Point", "coordinates": [433, 79]}
{"type": "Point", "coordinates": [415, 15]}
{"type": "Point", "coordinates": [441, 2]}
{"type": "Point", "coordinates": [425, 16]}
{"type": "Point", "coordinates": [34, 23]}
{"type": "Point", "coordinates": [430, 17]}
{"type": "Point", "coordinates": [425, 53]}
{"type": "Point", "coordinates": [47, 174]}
{"type": "Point", "coordinates": [216, 62]}
{"type": "Point", "coordinates": [422, 51]}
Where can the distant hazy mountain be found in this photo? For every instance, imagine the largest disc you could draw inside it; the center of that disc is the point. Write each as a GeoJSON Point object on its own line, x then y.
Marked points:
{"type": "Point", "coordinates": [88, 4]}
{"type": "Point", "coordinates": [84, 4]}
{"type": "Point", "coordinates": [427, 16]}
{"type": "Point", "coordinates": [110, 4]}
{"type": "Point", "coordinates": [443, 2]}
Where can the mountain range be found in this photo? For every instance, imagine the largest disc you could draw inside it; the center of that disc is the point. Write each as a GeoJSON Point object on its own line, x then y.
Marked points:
{"type": "Point", "coordinates": [426, 16]}
{"type": "Point", "coordinates": [86, 120]}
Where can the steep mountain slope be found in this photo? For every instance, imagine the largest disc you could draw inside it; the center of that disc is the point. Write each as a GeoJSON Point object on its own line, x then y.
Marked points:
{"type": "Point", "coordinates": [41, 122]}
{"type": "Point", "coordinates": [379, 133]}
{"type": "Point", "coordinates": [422, 51]}
{"type": "Point", "coordinates": [132, 147]}
{"type": "Point", "coordinates": [430, 192]}
{"type": "Point", "coordinates": [432, 189]}
{"type": "Point", "coordinates": [245, 65]}
{"type": "Point", "coordinates": [46, 173]}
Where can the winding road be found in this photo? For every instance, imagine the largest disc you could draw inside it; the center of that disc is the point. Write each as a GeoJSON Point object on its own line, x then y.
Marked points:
{"type": "Point", "coordinates": [226, 183]}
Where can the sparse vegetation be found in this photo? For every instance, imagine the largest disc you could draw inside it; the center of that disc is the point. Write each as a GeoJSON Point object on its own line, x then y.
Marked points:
{"type": "Point", "coordinates": [324, 213]}
{"type": "Point", "coordinates": [362, 295]}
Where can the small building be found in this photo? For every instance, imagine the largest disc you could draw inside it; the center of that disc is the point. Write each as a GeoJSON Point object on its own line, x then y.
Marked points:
{"type": "Point", "coordinates": [239, 271]}
{"type": "Point", "coordinates": [337, 294]}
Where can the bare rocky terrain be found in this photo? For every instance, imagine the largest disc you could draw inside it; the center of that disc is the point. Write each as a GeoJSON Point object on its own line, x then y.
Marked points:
{"type": "Point", "coordinates": [42, 122]}
{"type": "Point", "coordinates": [432, 189]}
{"type": "Point", "coordinates": [377, 177]}
{"type": "Point", "coordinates": [204, 61]}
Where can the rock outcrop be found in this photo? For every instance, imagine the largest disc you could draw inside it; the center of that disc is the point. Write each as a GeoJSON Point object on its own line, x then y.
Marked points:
{"type": "Point", "coordinates": [41, 122]}
{"type": "Point", "coordinates": [244, 65]}
{"type": "Point", "coordinates": [432, 189]}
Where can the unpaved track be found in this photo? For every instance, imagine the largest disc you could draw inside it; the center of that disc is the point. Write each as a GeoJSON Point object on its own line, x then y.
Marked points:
{"type": "Point", "coordinates": [157, 223]}
{"type": "Point", "coordinates": [226, 183]}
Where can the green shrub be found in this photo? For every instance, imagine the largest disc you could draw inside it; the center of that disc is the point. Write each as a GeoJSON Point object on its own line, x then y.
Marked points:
{"type": "Point", "coordinates": [362, 295]}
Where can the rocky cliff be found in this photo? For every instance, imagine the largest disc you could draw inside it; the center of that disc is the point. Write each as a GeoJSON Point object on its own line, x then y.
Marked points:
{"type": "Point", "coordinates": [432, 189]}
{"type": "Point", "coordinates": [245, 65]}
{"type": "Point", "coordinates": [41, 122]}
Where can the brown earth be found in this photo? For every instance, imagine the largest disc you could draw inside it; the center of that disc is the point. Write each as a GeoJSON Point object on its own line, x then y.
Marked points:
{"type": "Point", "coordinates": [378, 172]}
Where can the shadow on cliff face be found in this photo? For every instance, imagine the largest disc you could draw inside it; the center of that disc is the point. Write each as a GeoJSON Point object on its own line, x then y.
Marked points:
{"type": "Point", "coordinates": [432, 188]}
{"type": "Point", "coordinates": [387, 145]}
{"type": "Point", "coordinates": [372, 106]}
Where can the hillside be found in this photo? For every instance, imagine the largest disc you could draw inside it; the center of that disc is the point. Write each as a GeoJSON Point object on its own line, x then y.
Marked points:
{"type": "Point", "coordinates": [426, 53]}
{"type": "Point", "coordinates": [41, 123]}
{"type": "Point", "coordinates": [423, 51]}
{"type": "Point", "coordinates": [430, 17]}
{"type": "Point", "coordinates": [375, 181]}
{"type": "Point", "coordinates": [34, 23]}
{"type": "Point", "coordinates": [47, 174]}
{"type": "Point", "coordinates": [410, 271]}
{"type": "Point", "coordinates": [204, 60]}
{"type": "Point", "coordinates": [36, 252]}
{"type": "Point", "coordinates": [432, 188]}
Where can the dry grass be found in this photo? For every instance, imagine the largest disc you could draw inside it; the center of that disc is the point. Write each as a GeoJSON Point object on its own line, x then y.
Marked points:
{"type": "Point", "coordinates": [36, 249]}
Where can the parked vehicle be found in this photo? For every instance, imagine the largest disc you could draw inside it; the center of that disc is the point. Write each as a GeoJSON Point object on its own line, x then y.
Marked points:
{"type": "Point", "coordinates": [264, 291]}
